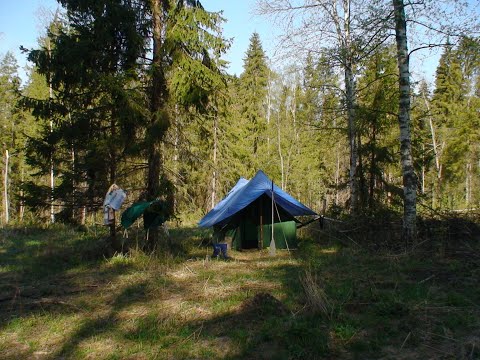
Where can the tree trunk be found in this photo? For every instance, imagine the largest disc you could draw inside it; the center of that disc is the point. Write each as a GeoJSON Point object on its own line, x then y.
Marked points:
{"type": "Point", "coordinates": [269, 109]}
{"type": "Point", "coordinates": [437, 186]}
{"type": "Point", "coordinates": [409, 177]}
{"type": "Point", "coordinates": [280, 154]}
{"type": "Point", "coordinates": [350, 104]}
{"type": "Point", "coordinates": [114, 240]}
{"type": "Point", "coordinates": [214, 175]}
{"type": "Point", "coordinates": [468, 185]}
{"type": "Point", "coordinates": [52, 177]}
{"type": "Point", "coordinates": [83, 215]}
{"type": "Point", "coordinates": [361, 181]}
{"type": "Point", "coordinates": [293, 111]}
{"type": "Point", "coordinates": [158, 120]}
{"type": "Point", "coordinates": [432, 133]}
{"type": "Point", "coordinates": [74, 186]}
{"type": "Point", "coordinates": [22, 204]}
{"type": "Point", "coordinates": [373, 164]}
{"type": "Point", "coordinates": [175, 160]}
{"type": "Point", "coordinates": [423, 169]}
{"type": "Point", "coordinates": [352, 138]}
{"type": "Point", "coordinates": [337, 174]}
{"type": "Point", "coordinates": [5, 188]}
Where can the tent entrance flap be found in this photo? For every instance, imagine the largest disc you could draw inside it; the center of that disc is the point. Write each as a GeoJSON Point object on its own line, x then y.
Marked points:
{"type": "Point", "coordinates": [254, 229]}
{"type": "Point", "coordinates": [247, 235]}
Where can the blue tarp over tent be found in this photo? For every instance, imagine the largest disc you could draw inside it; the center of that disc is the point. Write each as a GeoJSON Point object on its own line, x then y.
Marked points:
{"type": "Point", "coordinates": [246, 192]}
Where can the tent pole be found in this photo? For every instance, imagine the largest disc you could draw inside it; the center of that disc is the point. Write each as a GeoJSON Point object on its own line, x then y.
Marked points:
{"type": "Point", "coordinates": [260, 242]}
{"type": "Point", "coordinates": [272, 240]}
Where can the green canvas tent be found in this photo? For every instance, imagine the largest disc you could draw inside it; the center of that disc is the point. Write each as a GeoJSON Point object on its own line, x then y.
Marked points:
{"type": "Point", "coordinates": [249, 211]}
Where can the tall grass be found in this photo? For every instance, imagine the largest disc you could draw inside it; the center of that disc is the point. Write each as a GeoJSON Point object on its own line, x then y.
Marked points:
{"type": "Point", "coordinates": [315, 296]}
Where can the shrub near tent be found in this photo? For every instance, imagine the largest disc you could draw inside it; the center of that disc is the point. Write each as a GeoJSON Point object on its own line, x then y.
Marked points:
{"type": "Point", "coordinates": [246, 214]}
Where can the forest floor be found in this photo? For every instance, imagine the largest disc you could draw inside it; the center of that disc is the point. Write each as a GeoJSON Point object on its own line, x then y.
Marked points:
{"type": "Point", "coordinates": [60, 298]}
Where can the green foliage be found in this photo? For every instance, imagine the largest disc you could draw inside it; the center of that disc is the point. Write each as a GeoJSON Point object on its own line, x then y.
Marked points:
{"type": "Point", "coordinates": [252, 92]}
{"type": "Point", "coordinates": [15, 126]}
{"type": "Point", "coordinates": [454, 108]}
{"type": "Point", "coordinates": [99, 117]}
{"type": "Point", "coordinates": [377, 126]}
{"type": "Point", "coordinates": [101, 122]}
{"type": "Point", "coordinates": [321, 148]}
{"type": "Point", "coordinates": [345, 332]}
{"type": "Point", "coordinates": [91, 117]}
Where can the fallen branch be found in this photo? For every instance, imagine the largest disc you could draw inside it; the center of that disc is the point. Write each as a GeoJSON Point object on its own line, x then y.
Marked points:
{"type": "Point", "coordinates": [428, 278]}
{"type": "Point", "coordinates": [406, 339]}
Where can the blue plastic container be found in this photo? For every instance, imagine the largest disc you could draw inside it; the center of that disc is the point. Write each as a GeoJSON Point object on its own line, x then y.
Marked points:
{"type": "Point", "coordinates": [220, 248]}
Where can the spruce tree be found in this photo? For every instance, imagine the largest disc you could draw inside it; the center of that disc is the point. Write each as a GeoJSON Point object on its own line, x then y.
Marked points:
{"type": "Point", "coordinates": [186, 70]}
{"type": "Point", "coordinates": [90, 62]}
{"type": "Point", "coordinates": [455, 105]}
{"type": "Point", "coordinates": [378, 99]}
{"type": "Point", "coordinates": [448, 108]}
{"type": "Point", "coordinates": [112, 104]}
{"type": "Point", "coordinates": [252, 97]}
{"type": "Point", "coordinates": [11, 137]}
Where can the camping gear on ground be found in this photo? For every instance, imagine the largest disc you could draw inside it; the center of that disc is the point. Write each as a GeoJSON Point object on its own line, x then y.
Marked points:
{"type": "Point", "coordinates": [253, 211]}
{"type": "Point", "coordinates": [154, 214]}
{"type": "Point", "coordinates": [218, 242]}
{"type": "Point", "coordinates": [220, 248]}
{"type": "Point", "coordinates": [113, 201]}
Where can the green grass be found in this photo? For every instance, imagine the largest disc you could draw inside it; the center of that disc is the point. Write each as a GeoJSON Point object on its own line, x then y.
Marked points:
{"type": "Point", "coordinates": [63, 296]}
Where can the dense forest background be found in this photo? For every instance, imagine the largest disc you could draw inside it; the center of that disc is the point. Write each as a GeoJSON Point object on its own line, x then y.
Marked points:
{"type": "Point", "coordinates": [136, 93]}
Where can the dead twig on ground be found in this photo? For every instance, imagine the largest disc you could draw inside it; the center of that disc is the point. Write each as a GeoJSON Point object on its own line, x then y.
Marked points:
{"type": "Point", "coordinates": [405, 341]}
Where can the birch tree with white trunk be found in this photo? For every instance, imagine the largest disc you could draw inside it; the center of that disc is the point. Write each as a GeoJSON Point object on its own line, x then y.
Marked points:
{"type": "Point", "coordinates": [334, 28]}
{"type": "Point", "coordinates": [408, 172]}
{"type": "Point", "coordinates": [5, 188]}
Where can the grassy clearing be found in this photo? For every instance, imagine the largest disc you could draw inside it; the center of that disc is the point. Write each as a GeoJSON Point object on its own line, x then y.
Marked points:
{"type": "Point", "coordinates": [60, 298]}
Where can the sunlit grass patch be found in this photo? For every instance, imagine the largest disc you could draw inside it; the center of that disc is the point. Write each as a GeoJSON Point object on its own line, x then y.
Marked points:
{"type": "Point", "coordinates": [83, 304]}
{"type": "Point", "coordinates": [330, 250]}
{"type": "Point", "coordinates": [344, 332]}
{"type": "Point", "coordinates": [39, 334]}
{"type": "Point", "coordinates": [98, 348]}
{"type": "Point", "coordinates": [120, 259]}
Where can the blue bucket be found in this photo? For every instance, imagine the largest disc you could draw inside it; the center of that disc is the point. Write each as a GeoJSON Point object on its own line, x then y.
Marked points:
{"type": "Point", "coordinates": [220, 248]}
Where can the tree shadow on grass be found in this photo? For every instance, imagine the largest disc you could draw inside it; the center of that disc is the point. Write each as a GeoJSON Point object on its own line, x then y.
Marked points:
{"type": "Point", "coordinates": [92, 327]}
{"type": "Point", "coordinates": [44, 270]}
{"type": "Point", "coordinates": [265, 325]}
{"type": "Point", "coordinates": [261, 328]}
{"type": "Point", "coordinates": [257, 331]}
